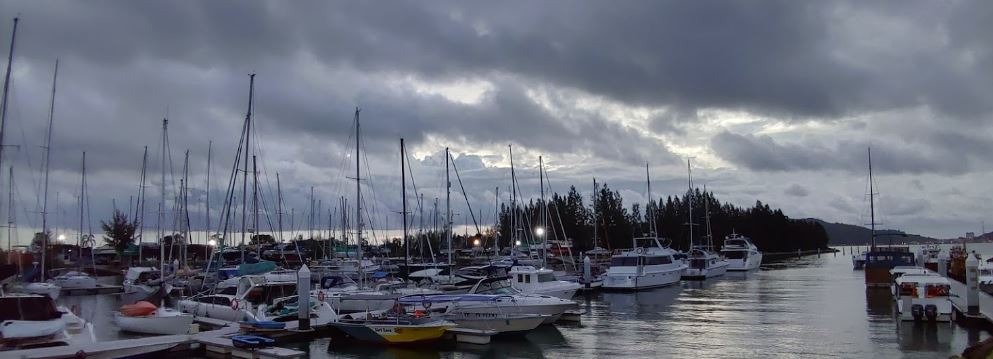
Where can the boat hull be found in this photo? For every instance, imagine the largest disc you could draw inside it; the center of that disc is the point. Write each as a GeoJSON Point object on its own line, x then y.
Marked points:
{"type": "Point", "coordinates": [624, 282]}
{"type": "Point", "coordinates": [753, 262]}
{"type": "Point", "coordinates": [502, 324]}
{"type": "Point", "coordinates": [391, 333]}
{"type": "Point", "coordinates": [161, 323]}
{"type": "Point", "coordinates": [704, 273]}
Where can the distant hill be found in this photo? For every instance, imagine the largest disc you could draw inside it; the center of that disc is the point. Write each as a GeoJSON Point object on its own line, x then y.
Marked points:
{"type": "Point", "coordinates": [841, 234]}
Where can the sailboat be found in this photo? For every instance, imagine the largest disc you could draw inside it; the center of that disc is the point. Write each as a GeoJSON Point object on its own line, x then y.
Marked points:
{"type": "Point", "coordinates": [41, 287]}
{"type": "Point", "coordinates": [643, 267]}
{"type": "Point", "coordinates": [162, 320]}
{"type": "Point", "coordinates": [879, 260]}
{"type": "Point", "coordinates": [78, 279]}
{"type": "Point", "coordinates": [703, 262]}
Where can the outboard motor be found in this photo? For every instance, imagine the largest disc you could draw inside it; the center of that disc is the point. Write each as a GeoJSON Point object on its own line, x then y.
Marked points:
{"type": "Point", "coordinates": [931, 312]}
{"type": "Point", "coordinates": [917, 311]}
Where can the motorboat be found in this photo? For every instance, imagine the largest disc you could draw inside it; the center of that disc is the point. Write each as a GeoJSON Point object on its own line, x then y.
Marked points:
{"type": "Point", "coordinates": [390, 329]}
{"type": "Point", "coordinates": [900, 271]}
{"type": "Point", "coordinates": [33, 321]}
{"type": "Point", "coordinates": [74, 280]}
{"type": "Point", "coordinates": [50, 290]}
{"type": "Point", "coordinates": [531, 280]}
{"type": "Point", "coordinates": [502, 323]}
{"type": "Point", "coordinates": [703, 263]}
{"type": "Point", "coordinates": [286, 310]}
{"type": "Point", "coordinates": [143, 284]}
{"type": "Point", "coordinates": [510, 301]}
{"type": "Point", "coordinates": [858, 261]}
{"type": "Point", "coordinates": [924, 298]}
{"type": "Point", "coordinates": [252, 291]}
{"type": "Point", "coordinates": [740, 253]}
{"type": "Point", "coordinates": [161, 321]}
{"type": "Point", "coordinates": [644, 267]}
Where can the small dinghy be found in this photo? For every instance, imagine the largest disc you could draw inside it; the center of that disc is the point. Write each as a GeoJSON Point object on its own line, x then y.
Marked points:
{"type": "Point", "coordinates": [251, 341]}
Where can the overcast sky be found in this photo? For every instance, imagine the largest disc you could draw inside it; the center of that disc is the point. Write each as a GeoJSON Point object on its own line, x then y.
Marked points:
{"type": "Point", "coordinates": [774, 101]}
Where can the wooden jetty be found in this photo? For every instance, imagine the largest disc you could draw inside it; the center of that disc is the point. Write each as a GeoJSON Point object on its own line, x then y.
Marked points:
{"type": "Point", "coordinates": [216, 342]}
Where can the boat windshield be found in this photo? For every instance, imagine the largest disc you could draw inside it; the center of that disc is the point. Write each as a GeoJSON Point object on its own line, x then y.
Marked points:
{"type": "Point", "coordinates": [698, 263]}
{"type": "Point", "coordinates": [546, 277]}
{"type": "Point", "coordinates": [736, 254]}
{"type": "Point", "coordinates": [624, 262]}
{"type": "Point", "coordinates": [495, 287]}
{"type": "Point", "coordinates": [936, 290]}
{"type": "Point", "coordinates": [734, 242]}
{"type": "Point", "coordinates": [28, 308]}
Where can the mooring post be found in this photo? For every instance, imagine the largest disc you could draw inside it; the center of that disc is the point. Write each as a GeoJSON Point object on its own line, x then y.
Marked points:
{"type": "Point", "coordinates": [303, 297]}
{"type": "Point", "coordinates": [972, 284]}
{"type": "Point", "coordinates": [587, 277]}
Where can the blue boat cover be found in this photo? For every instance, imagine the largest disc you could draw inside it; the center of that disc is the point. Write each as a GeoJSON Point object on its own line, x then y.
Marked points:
{"type": "Point", "coordinates": [256, 268]}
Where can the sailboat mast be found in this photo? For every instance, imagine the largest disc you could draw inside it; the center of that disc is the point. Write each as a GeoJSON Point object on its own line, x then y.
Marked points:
{"type": "Point", "coordinates": [244, 180]}
{"type": "Point", "coordinates": [210, 147]}
{"type": "Point", "coordinates": [651, 219]}
{"type": "Point", "coordinates": [513, 200]}
{"type": "Point", "coordinates": [10, 211]}
{"type": "Point", "coordinates": [689, 198]}
{"type": "Point", "coordinates": [82, 194]}
{"type": "Point", "coordinates": [448, 215]}
{"type": "Point", "coordinates": [48, 160]}
{"type": "Point", "coordinates": [160, 232]}
{"type": "Point", "coordinates": [872, 205]}
{"type": "Point", "coordinates": [358, 200]}
{"type": "Point", "coordinates": [255, 206]}
{"type": "Point", "coordinates": [140, 206]}
{"type": "Point", "coordinates": [279, 208]}
{"type": "Point", "coordinates": [403, 191]}
{"type": "Point", "coordinates": [594, 212]}
{"type": "Point", "coordinates": [6, 90]}
{"type": "Point", "coordinates": [543, 213]}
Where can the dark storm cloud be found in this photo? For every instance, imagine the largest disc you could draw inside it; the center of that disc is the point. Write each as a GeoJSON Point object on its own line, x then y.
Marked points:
{"type": "Point", "coordinates": [763, 153]}
{"type": "Point", "coordinates": [127, 63]}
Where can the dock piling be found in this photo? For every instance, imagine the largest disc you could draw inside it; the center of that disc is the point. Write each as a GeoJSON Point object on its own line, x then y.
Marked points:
{"type": "Point", "coordinates": [972, 284]}
{"type": "Point", "coordinates": [303, 297]}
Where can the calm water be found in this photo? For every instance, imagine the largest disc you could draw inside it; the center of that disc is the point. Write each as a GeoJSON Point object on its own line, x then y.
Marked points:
{"type": "Point", "coordinates": [810, 307]}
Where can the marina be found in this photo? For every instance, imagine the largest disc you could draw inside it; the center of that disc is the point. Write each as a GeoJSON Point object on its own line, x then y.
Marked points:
{"type": "Point", "coordinates": [237, 179]}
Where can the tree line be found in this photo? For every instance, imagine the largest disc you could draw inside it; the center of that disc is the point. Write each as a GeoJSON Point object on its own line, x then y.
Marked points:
{"type": "Point", "coordinates": [615, 224]}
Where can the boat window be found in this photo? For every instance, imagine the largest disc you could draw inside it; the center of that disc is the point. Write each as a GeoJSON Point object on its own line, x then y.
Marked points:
{"type": "Point", "coordinates": [624, 262]}
{"type": "Point", "coordinates": [546, 277]}
{"type": "Point", "coordinates": [908, 290]}
{"type": "Point", "coordinates": [698, 263]}
{"type": "Point", "coordinates": [496, 287]}
{"type": "Point", "coordinates": [936, 290]}
{"type": "Point", "coordinates": [527, 279]}
{"type": "Point", "coordinates": [735, 242]}
{"type": "Point", "coordinates": [985, 272]}
{"type": "Point", "coordinates": [736, 254]}
{"type": "Point", "coordinates": [28, 308]}
{"type": "Point", "coordinates": [222, 301]}
{"type": "Point", "coordinates": [658, 260]}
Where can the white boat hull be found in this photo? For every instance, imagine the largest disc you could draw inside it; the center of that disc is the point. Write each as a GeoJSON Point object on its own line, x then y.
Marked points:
{"type": "Point", "coordinates": [743, 265]}
{"type": "Point", "coordinates": [24, 329]}
{"type": "Point", "coordinates": [550, 312]}
{"type": "Point", "coordinates": [162, 322]}
{"type": "Point", "coordinates": [51, 290]}
{"type": "Point", "coordinates": [943, 309]}
{"type": "Point", "coordinates": [500, 323]}
{"type": "Point", "coordinates": [641, 281]}
{"type": "Point", "coordinates": [75, 282]}
{"type": "Point", "coordinates": [704, 273]}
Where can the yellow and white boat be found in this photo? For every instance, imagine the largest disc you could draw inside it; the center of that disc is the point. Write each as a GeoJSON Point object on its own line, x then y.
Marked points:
{"type": "Point", "coordinates": [392, 330]}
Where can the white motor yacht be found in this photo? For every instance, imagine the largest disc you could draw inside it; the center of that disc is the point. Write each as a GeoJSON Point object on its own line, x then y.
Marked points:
{"type": "Point", "coordinates": [500, 299]}
{"type": "Point", "coordinates": [531, 280]}
{"type": "Point", "coordinates": [703, 264]}
{"type": "Point", "coordinates": [741, 253]}
{"type": "Point", "coordinates": [644, 267]}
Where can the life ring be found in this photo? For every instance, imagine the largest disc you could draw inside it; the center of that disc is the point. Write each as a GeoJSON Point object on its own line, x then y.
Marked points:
{"type": "Point", "coordinates": [639, 250]}
{"type": "Point", "coordinates": [234, 304]}
{"type": "Point", "coordinates": [320, 296]}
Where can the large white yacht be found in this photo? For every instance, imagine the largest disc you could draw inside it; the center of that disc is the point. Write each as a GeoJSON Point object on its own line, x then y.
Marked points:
{"type": "Point", "coordinates": [644, 267]}
{"type": "Point", "coordinates": [741, 253]}
{"type": "Point", "coordinates": [531, 280]}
